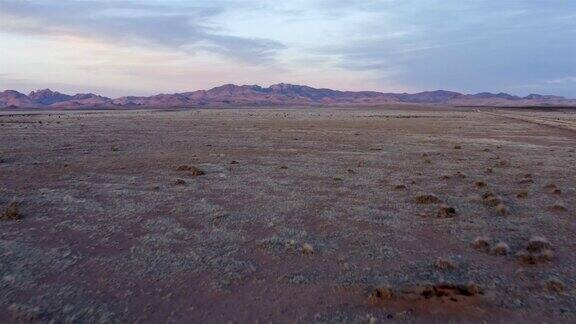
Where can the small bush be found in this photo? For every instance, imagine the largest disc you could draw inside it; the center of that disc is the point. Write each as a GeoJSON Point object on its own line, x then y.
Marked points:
{"type": "Point", "coordinates": [522, 195]}
{"type": "Point", "coordinates": [307, 248]}
{"type": "Point", "coordinates": [537, 244]}
{"type": "Point", "coordinates": [554, 285]}
{"type": "Point", "coordinates": [480, 184]}
{"type": "Point", "coordinates": [502, 209]}
{"type": "Point", "coordinates": [12, 212]}
{"type": "Point", "coordinates": [501, 249]}
{"type": "Point", "coordinates": [445, 264]}
{"type": "Point", "coordinates": [194, 171]}
{"type": "Point", "coordinates": [426, 199]}
{"type": "Point", "coordinates": [446, 211]}
{"type": "Point", "coordinates": [180, 182]}
{"type": "Point", "coordinates": [559, 206]}
{"type": "Point", "coordinates": [384, 292]}
{"type": "Point", "coordinates": [481, 243]}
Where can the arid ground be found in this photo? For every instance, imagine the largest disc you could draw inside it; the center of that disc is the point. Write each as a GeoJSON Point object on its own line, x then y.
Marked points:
{"type": "Point", "coordinates": [288, 215]}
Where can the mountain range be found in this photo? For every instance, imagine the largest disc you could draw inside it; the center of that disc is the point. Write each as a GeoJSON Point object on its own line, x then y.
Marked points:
{"type": "Point", "coordinates": [275, 95]}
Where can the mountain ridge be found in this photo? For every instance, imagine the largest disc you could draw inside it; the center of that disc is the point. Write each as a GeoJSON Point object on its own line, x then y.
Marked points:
{"type": "Point", "coordinates": [281, 94]}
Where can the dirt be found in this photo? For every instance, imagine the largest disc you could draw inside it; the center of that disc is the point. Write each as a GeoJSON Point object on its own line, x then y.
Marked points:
{"type": "Point", "coordinates": [288, 215]}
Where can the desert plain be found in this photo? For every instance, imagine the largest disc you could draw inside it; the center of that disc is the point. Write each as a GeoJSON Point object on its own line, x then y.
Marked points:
{"type": "Point", "coordinates": [321, 215]}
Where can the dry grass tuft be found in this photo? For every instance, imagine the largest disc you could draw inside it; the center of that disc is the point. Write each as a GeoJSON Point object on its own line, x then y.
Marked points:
{"type": "Point", "coordinates": [545, 255]}
{"type": "Point", "coordinates": [537, 244]}
{"type": "Point", "coordinates": [470, 289]}
{"type": "Point", "coordinates": [491, 199]}
{"type": "Point", "coordinates": [481, 243]}
{"type": "Point", "coordinates": [445, 264]}
{"type": "Point", "coordinates": [12, 212]}
{"type": "Point", "coordinates": [502, 209]}
{"type": "Point", "coordinates": [194, 171]}
{"type": "Point", "coordinates": [384, 292]}
{"type": "Point", "coordinates": [554, 285]}
{"type": "Point", "coordinates": [502, 163]}
{"type": "Point", "coordinates": [400, 187]}
{"type": "Point", "coordinates": [460, 175]}
{"type": "Point", "coordinates": [526, 180]}
{"type": "Point", "coordinates": [501, 249]}
{"type": "Point", "coordinates": [426, 199]}
{"type": "Point", "coordinates": [307, 249]}
{"type": "Point", "coordinates": [556, 192]}
{"type": "Point", "coordinates": [529, 258]}
{"type": "Point", "coordinates": [480, 184]}
{"type": "Point", "coordinates": [550, 186]}
{"type": "Point", "coordinates": [446, 211]}
{"type": "Point", "coordinates": [559, 206]}
{"type": "Point", "coordinates": [180, 182]}
{"type": "Point", "coordinates": [522, 195]}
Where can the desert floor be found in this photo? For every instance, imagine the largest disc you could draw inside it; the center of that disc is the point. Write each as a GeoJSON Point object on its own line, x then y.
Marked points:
{"type": "Point", "coordinates": [303, 215]}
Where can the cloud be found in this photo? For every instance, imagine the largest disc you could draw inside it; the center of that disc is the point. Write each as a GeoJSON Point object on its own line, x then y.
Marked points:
{"type": "Point", "coordinates": [173, 25]}
{"type": "Point", "coordinates": [387, 45]}
{"type": "Point", "coordinates": [462, 45]}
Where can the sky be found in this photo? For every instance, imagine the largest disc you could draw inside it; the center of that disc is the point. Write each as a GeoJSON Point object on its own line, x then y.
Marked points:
{"type": "Point", "coordinates": [144, 47]}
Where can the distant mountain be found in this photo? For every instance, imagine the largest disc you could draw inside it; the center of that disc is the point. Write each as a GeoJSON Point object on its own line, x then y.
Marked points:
{"type": "Point", "coordinates": [276, 95]}
{"type": "Point", "coordinates": [47, 97]}
{"type": "Point", "coordinates": [11, 98]}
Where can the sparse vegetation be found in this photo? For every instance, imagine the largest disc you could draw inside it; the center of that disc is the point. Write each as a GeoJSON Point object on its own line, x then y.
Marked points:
{"type": "Point", "coordinates": [11, 213]}
{"type": "Point", "coordinates": [445, 264]}
{"type": "Point", "coordinates": [554, 285]}
{"type": "Point", "coordinates": [384, 292]}
{"type": "Point", "coordinates": [276, 225]}
{"type": "Point", "coordinates": [538, 250]}
{"type": "Point", "coordinates": [460, 175]}
{"type": "Point", "coordinates": [559, 206]}
{"type": "Point", "coordinates": [502, 209]}
{"type": "Point", "coordinates": [426, 199]}
{"type": "Point", "coordinates": [194, 171]}
{"type": "Point", "coordinates": [550, 186]}
{"type": "Point", "coordinates": [446, 211]}
{"type": "Point", "coordinates": [522, 195]}
{"type": "Point", "coordinates": [480, 184]}
{"type": "Point", "coordinates": [501, 248]}
{"type": "Point", "coordinates": [537, 244]}
{"type": "Point", "coordinates": [307, 248]}
{"type": "Point", "coordinates": [481, 243]}
{"type": "Point", "coordinates": [491, 199]}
